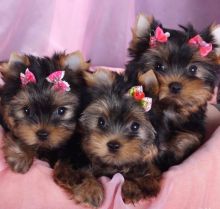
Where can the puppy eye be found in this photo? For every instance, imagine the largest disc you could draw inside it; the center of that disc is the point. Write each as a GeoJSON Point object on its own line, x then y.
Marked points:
{"type": "Point", "coordinates": [101, 122]}
{"type": "Point", "coordinates": [159, 67]}
{"type": "Point", "coordinates": [135, 126]}
{"type": "Point", "coordinates": [61, 111]}
{"type": "Point", "coordinates": [26, 111]}
{"type": "Point", "coordinates": [192, 69]}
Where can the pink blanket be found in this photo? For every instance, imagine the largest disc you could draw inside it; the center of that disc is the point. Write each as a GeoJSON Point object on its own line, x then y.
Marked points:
{"type": "Point", "coordinates": [192, 185]}
{"type": "Point", "coordinates": [101, 30]}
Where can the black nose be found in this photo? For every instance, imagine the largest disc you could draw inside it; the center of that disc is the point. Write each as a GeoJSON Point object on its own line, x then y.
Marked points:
{"type": "Point", "coordinates": [42, 135]}
{"type": "Point", "coordinates": [113, 146]}
{"type": "Point", "coordinates": [175, 87]}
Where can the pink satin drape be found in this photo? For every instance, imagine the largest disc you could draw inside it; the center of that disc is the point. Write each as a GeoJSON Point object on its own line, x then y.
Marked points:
{"type": "Point", "coordinates": [100, 28]}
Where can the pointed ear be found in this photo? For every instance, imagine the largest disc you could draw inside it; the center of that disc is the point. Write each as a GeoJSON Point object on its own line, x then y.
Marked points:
{"type": "Point", "coordinates": [150, 83]}
{"type": "Point", "coordinates": [75, 61]}
{"type": "Point", "coordinates": [215, 32]}
{"type": "Point", "coordinates": [141, 31]}
{"type": "Point", "coordinates": [9, 68]}
{"type": "Point", "coordinates": [143, 25]}
{"type": "Point", "coordinates": [99, 77]}
{"type": "Point", "coordinates": [18, 58]}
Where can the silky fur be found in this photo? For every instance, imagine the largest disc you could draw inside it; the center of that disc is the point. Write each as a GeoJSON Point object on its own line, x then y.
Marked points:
{"type": "Point", "coordinates": [22, 143]}
{"type": "Point", "coordinates": [179, 118]}
{"type": "Point", "coordinates": [134, 157]}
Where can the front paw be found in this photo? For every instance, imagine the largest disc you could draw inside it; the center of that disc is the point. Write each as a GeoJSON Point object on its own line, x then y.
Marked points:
{"type": "Point", "coordinates": [79, 185]}
{"type": "Point", "coordinates": [18, 160]}
{"type": "Point", "coordinates": [64, 176]}
{"type": "Point", "coordinates": [89, 193]}
{"type": "Point", "coordinates": [131, 192]}
{"type": "Point", "coordinates": [19, 164]}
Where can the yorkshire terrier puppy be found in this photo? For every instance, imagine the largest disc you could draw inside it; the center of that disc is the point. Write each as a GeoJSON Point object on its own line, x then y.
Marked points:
{"type": "Point", "coordinates": [184, 65]}
{"type": "Point", "coordinates": [40, 102]}
{"type": "Point", "coordinates": [117, 137]}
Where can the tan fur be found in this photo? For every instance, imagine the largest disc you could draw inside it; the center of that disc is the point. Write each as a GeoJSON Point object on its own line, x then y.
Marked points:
{"type": "Point", "coordinates": [149, 81]}
{"type": "Point", "coordinates": [132, 190]}
{"type": "Point", "coordinates": [8, 119]}
{"type": "Point", "coordinates": [19, 157]}
{"type": "Point", "coordinates": [27, 132]}
{"type": "Point", "coordinates": [23, 116]}
{"type": "Point", "coordinates": [99, 77]}
{"type": "Point", "coordinates": [81, 186]}
{"type": "Point", "coordinates": [133, 159]}
{"type": "Point", "coordinates": [192, 96]}
{"type": "Point", "coordinates": [150, 153]}
{"type": "Point", "coordinates": [184, 141]}
{"type": "Point", "coordinates": [130, 151]}
{"type": "Point", "coordinates": [80, 63]}
{"type": "Point", "coordinates": [7, 69]}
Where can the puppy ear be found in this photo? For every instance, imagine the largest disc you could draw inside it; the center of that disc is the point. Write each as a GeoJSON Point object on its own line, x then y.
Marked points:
{"type": "Point", "coordinates": [75, 61]}
{"type": "Point", "coordinates": [18, 58]}
{"type": "Point", "coordinates": [99, 77]}
{"type": "Point", "coordinates": [215, 32]}
{"type": "Point", "coordinates": [142, 26]}
{"type": "Point", "coordinates": [141, 33]}
{"type": "Point", "coordinates": [150, 83]}
{"type": "Point", "coordinates": [10, 68]}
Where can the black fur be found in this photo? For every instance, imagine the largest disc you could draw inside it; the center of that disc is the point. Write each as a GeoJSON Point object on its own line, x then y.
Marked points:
{"type": "Point", "coordinates": [41, 99]}
{"type": "Point", "coordinates": [178, 55]}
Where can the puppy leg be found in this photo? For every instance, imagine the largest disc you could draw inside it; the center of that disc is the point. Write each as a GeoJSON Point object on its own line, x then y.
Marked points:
{"type": "Point", "coordinates": [149, 185]}
{"type": "Point", "coordinates": [178, 149]}
{"type": "Point", "coordinates": [131, 192]}
{"type": "Point", "coordinates": [183, 144]}
{"type": "Point", "coordinates": [139, 188]}
{"type": "Point", "coordinates": [18, 157]}
{"type": "Point", "coordinates": [81, 185]}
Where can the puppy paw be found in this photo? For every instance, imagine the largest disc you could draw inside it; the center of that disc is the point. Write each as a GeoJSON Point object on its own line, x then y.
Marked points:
{"type": "Point", "coordinates": [64, 175]}
{"type": "Point", "coordinates": [131, 192]}
{"type": "Point", "coordinates": [89, 193]}
{"type": "Point", "coordinates": [80, 185]}
{"type": "Point", "coordinates": [18, 160]}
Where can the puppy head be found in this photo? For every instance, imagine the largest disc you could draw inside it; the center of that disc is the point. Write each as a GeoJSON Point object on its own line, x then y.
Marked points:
{"type": "Point", "coordinates": [37, 113]}
{"type": "Point", "coordinates": [117, 131]}
{"type": "Point", "coordinates": [186, 75]}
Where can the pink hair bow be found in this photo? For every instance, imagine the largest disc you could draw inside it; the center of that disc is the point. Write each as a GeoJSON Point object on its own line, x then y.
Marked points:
{"type": "Point", "coordinates": [58, 83]}
{"type": "Point", "coordinates": [204, 47]}
{"type": "Point", "coordinates": [159, 36]}
{"type": "Point", "coordinates": [27, 78]}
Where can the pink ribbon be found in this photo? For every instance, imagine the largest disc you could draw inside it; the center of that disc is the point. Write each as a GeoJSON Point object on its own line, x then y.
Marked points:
{"type": "Point", "coordinates": [58, 83]}
{"type": "Point", "coordinates": [204, 47]}
{"type": "Point", "coordinates": [159, 36]}
{"type": "Point", "coordinates": [27, 78]}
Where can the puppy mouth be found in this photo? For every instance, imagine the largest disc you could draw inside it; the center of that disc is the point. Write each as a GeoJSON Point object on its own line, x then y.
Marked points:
{"type": "Point", "coordinates": [40, 144]}
{"type": "Point", "coordinates": [111, 154]}
{"type": "Point", "coordinates": [171, 96]}
{"type": "Point", "coordinates": [44, 143]}
{"type": "Point", "coordinates": [115, 159]}
{"type": "Point", "coordinates": [111, 159]}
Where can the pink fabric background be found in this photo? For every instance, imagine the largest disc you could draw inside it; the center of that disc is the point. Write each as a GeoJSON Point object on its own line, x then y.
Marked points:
{"type": "Point", "coordinates": [192, 185]}
{"type": "Point", "coordinates": [100, 28]}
